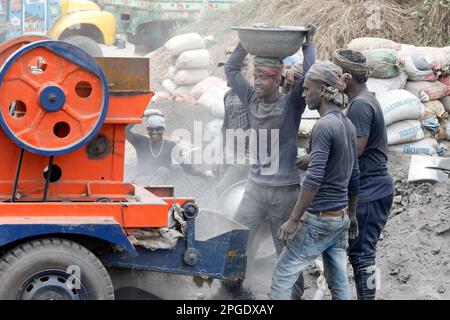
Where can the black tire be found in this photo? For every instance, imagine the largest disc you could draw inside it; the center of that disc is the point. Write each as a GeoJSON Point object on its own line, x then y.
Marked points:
{"type": "Point", "coordinates": [152, 35]}
{"type": "Point", "coordinates": [26, 268]}
{"type": "Point", "coordinates": [87, 44]}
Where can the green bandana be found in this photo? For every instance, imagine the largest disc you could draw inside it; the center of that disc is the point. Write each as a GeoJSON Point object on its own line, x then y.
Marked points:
{"type": "Point", "coordinates": [267, 62]}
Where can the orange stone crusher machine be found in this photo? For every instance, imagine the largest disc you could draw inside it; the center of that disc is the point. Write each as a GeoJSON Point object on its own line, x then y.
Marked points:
{"type": "Point", "coordinates": [63, 200]}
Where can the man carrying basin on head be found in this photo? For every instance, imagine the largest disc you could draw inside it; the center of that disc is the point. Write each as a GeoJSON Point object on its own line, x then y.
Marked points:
{"type": "Point", "coordinates": [274, 180]}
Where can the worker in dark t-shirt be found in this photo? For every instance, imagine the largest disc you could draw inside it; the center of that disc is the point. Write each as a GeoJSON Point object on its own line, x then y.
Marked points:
{"type": "Point", "coordinates": [376, 185]}
{"type": "Point", "coordinates": [154, 153]}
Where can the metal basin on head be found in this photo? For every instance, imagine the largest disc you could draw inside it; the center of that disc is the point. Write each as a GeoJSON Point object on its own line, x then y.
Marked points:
{"type": "Point", "coordinates": [278, 42]}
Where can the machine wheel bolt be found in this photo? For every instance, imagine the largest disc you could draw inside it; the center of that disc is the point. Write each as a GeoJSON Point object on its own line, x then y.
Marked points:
{"type": "Point", "coordinates": [191, 257]}
{"type": "Point", "coordinates": [190, 210]}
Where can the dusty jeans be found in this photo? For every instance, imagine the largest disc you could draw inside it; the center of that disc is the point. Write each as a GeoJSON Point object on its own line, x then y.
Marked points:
{"type": "Point", "coordinates": [234, 173]}
{"type": "Point", "coordinates": [275, 204]}
{"type": "Point", "coordinates": [317, 236]}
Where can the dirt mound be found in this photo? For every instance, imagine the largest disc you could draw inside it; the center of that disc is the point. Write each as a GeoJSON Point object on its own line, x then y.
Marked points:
{"type": "Point", "coordinates": [413, 254]}
{"type": "Point", "coordinates": [414, 22]}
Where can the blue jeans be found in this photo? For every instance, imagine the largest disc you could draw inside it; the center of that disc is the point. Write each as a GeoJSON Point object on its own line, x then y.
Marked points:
{"type": "Point", "coordinates": [372, 217]}
{"type": "Point", "coordinates": [317, 236]}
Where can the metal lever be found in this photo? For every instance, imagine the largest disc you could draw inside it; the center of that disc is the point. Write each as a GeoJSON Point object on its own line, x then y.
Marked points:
{"type": "Point", "coordinates": [446, 171]}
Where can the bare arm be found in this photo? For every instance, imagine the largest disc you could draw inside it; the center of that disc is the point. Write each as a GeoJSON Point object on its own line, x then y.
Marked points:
{"type": "Point", "coordinates": [362, 143]}
{"type": "Point", "coordinates": [304, 200]}
{"type": "Point", "coordinates": [132, 137]}
{"type": "Point", "coordinates": [353, 189]}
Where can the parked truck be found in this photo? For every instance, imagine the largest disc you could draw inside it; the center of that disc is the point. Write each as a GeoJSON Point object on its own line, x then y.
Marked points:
{"type": "Point", "coordinates": [80, 22]}
{"type": "Point", "coordinates": [148, 23]}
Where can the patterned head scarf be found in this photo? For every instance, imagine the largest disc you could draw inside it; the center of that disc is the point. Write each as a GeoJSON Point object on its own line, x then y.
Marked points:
{"type": "Point", "coordinates": [356, 68]}
{"type": "Point", "coordinates": [271, 67]}
{"type": "Point", "coordinates": [292, 73]}
{"type": "Point", "coordinates": [333, 80]}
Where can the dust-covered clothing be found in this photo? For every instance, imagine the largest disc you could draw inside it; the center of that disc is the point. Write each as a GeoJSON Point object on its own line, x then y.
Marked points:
{"type": "Point", "coordinates": [333, 169]}
{"type": "Point", "coordinates": [283, 115]}
{"type": "Point", "coordinates": [366, 115]}
{"type": "Point", "coordinates": [154, 155]}
{"type": "Point", "coordinates": [236, 116]}
{"type": "Point", "coordinates": [376, 191]}
{"type": "Point", "coordinates": [317, 236]}
{"type": "Point", "coordinates": [372, 217]}
{"type": "Point", "coordinates": [274, 205]}
{"type": "Point", "coordinates": [332, 172]}
{"type": "Point", "coordinates": [235, 122]}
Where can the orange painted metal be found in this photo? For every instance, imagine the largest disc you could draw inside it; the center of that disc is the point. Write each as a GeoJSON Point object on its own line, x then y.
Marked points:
{"type": "Point", "coordinates": [7, 48]}
{"type": "Point", "coordinates": [126, 109]}
{"type": "Point", "coordinates": [35, 126]}
{"type": "Point", "coordinates": [132, 215]}
{"type": "Point", "coordinates": [81, 179]}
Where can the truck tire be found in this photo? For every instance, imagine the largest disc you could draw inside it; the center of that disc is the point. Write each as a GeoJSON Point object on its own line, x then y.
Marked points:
{"type": "Point", "coordinates": [53, 269]}
{"type": "Point", "coordinates": [152, 35]}
{"type": "Point", "coordinates": [87, 44]}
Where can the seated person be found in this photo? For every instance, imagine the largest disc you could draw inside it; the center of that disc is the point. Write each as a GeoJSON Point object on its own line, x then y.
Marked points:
{"type": "Point", "coordinates": [154, 153]}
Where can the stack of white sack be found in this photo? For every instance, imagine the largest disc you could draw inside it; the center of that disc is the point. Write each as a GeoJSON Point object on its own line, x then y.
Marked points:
{"type": "Point", "coordinates": [210, 93]}
{"type": "Point", "coordinates": [428, 79]}
{"type": "Point", "coordinates": [191, 63]}
{"type": "Point", "coordinates": [402, 112]}
{"type": "Point", "coordinates": [368, 43]}
{"type": "Point", "coordinates": [413, 127]}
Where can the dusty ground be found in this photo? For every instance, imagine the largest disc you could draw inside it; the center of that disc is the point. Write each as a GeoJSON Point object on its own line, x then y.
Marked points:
{"type": "Point", "coordinates": [413, 254]}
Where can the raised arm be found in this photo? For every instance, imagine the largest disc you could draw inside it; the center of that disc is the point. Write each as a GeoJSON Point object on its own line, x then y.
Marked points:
{"type": "Point", "coordinates": [236, 79]}
{"type": "Point", "coordinates": [353, 191]}
{"type": "Point", "coordinates": [132, 137]}
{"type": "Point", "coordinates": [309, 58]}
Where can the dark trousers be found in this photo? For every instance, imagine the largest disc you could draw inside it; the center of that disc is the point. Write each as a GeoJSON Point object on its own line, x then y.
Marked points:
{"type": "Point", "coordinates": [273, 204]}
{"type": "Point", "coordinates": [372, 217]}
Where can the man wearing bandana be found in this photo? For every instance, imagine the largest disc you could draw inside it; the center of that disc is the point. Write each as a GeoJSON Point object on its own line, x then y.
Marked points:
{"type": "Point", "coordinates": [376, 185]}
{"type": "Point", "coordinates": [324, 217]}
{"type": "Point", "coordinates": [273, 184]}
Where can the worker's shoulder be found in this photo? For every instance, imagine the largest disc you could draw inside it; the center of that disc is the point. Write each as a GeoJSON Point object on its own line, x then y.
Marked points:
{"type": "Point", "coordinates": [138, 137]}
{"type": "Point", "coordinates": [364, 103]}
{"type": "Point", "coordinates": [169, 143]}
{"type": "Point", "coordinates": [332, 122]}
{"type": "Point", "coordinates": [323, 126]}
